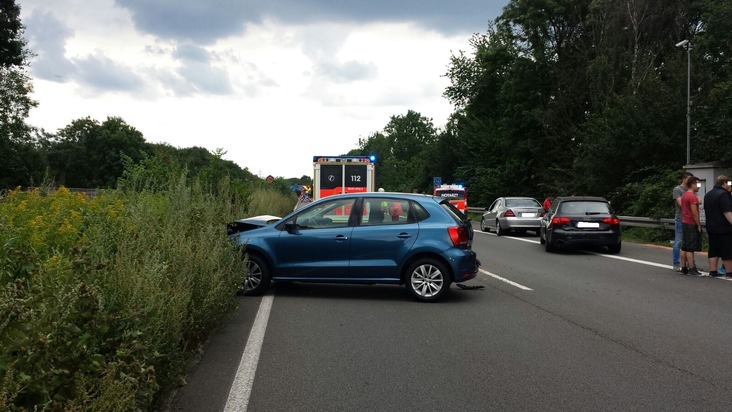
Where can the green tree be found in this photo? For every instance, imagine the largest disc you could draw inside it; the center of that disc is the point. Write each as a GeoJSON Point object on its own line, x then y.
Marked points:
{"type": "Point", "coordinates": [497, 128]}
{"type": "Point", "coordinates": [16, 143]}
{"type": "Point", "coordinates": [711, 35]}
{"type": "Point", "coordinates": [90, 154]}
{"type": "Point", "coordinates": [564, 96]}
{"type": "Point", "coordinates": [12, 45]}
{"type": "Point", "coordinates": [402, 152]}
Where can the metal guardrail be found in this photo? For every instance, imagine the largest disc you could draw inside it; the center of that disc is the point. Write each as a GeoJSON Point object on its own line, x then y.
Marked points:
{"type": "Point", "coordinates": [624, 220]}
{"type": "Point", "coordinates": [648, 222]}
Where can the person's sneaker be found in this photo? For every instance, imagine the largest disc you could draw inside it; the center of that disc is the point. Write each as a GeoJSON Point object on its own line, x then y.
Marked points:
{"type": "Point", "coordinates": [684, 271]}
{"type": "Point", "coordinates": [721, 271]}
{"type": "Point", "coordinates": [715, 274]}
{"type": "Point", "coordinates": [694, 272]}
{"type": "Point", "coordinates": [677, 268]}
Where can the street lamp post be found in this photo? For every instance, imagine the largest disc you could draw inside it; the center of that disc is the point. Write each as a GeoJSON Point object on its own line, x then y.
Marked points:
{"type": "Point", "coordinates": [687, 45]}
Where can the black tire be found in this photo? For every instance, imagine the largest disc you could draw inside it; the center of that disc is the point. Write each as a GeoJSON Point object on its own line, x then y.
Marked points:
{"type": "Point", "coordinates": [483, 226]}
{"type": "Point", "coordinates": [549, 246]}
{"type": "Point", "coordinates": [427, 280]}
{"type": "Point", "coordinates": [258, 276]}
{"type": "Point", "coordinates": [541, 237]}
{"type": "Point", "coordinates": [499, 230]}
{"type": "Point", "coordinates": [614, 249]}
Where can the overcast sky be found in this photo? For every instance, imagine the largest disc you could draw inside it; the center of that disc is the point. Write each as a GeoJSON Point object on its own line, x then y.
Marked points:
{"type": "Point", "coordinates": [271, 82]}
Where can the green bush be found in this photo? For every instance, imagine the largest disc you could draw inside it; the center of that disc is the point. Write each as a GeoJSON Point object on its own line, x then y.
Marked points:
{"type": "Point", "coordinates": [104, 301]}
{"type": "Point", "coordinates": [649, 197]}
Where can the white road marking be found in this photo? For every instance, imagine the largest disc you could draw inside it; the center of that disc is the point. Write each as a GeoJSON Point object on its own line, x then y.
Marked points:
{"type": "Point", "coordinates": [512, 283]}
{"type": "Point", "coordinates": [241, 388]}
{"type": "Point", "coordinates": [627, 259]}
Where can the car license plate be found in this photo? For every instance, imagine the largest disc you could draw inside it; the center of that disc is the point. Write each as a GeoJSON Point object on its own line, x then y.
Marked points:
{"type": "Point", "coordinates": [528, 214]}
{"type": "Point", "coordinates": [588, 225]}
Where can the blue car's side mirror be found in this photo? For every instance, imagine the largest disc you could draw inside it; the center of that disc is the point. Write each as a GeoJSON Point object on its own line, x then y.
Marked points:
{"type": "Point", "coordinates": [290, 226]}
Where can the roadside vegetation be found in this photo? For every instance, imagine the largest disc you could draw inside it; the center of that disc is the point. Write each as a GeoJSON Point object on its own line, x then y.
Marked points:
{"type": "Point", "coordinates": [106, 298]}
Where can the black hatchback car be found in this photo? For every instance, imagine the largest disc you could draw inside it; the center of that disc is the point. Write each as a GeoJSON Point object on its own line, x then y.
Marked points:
{"type": "Point", "coordinates": [580, 221]}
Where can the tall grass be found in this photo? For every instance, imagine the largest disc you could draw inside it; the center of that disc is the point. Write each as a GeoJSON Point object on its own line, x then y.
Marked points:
{"type": "Point", "coordinates": [104, 300]}
{"type": "Point", "coordinates": [267, 201]}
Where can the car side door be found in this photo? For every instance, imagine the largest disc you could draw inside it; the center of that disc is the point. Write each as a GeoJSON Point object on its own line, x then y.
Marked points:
{"type": "Point", "coordinates": [490, 217]}
{"type": "Point", "coordinates": [318, 243]}
{"type": "Point", "coordinates": [381, 242]}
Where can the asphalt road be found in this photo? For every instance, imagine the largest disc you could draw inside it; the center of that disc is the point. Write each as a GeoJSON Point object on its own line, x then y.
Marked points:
{"type": "Point", "coordinates": [562, 331]}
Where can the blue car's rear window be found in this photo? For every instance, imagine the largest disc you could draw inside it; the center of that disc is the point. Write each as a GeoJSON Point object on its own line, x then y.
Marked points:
{"type": "Point", "coordinates": [453, 211]}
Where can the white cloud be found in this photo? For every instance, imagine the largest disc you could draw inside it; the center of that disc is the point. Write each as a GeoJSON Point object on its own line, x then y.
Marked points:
{"type": "Point", "coordinates": [271, 94]}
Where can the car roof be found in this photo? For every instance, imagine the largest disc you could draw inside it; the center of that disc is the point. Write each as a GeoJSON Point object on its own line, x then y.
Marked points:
{"type": "Point", "coordinates": [401, 195]}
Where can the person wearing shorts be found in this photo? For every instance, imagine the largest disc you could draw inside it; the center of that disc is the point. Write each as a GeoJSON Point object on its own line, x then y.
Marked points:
{"type": "Point", "coordinates": [691, 226]}
{"type": "Point", "coordinates": [718, 211]}
{"type": "Point", "coordinates": [676, 194]}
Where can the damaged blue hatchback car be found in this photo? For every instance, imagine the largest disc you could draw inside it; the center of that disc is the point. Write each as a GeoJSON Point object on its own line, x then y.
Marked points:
{"type": "Point", "coordinates": [420, 241]}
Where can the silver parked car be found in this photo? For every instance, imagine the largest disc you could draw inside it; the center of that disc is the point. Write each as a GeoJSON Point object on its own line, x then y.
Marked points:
{"type": "Point", "coordinates": [512, 213]}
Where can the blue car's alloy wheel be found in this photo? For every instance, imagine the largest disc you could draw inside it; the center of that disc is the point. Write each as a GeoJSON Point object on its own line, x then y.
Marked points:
{"type": "Point", "coordinates": [428, 280]}
{"type": "Point", "coordinates": [257, 278]}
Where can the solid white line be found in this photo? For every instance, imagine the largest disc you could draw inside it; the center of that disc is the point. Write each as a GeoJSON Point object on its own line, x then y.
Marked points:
{"type": "Point", "coordinates": [627, 259]}
{"type": "Point", "coordinates": [241, 388]}
{"type": "Point", "coordinates": [512, 283]}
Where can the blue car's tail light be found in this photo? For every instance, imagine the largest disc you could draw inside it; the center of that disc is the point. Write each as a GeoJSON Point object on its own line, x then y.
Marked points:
{"type": "Point", "coordinates": [459, 235]}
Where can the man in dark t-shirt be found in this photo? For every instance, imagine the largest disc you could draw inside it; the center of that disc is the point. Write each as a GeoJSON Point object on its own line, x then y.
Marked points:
{"type": "Point", "coordinates": [718, 211]}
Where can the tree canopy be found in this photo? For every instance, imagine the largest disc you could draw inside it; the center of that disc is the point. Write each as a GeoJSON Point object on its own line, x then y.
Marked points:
{"type": "Point", "coordinates": [566, 96]}
{"type": "Point", "coordinates": [17, 151]}
{"type": "Point", "coordinates": [556, 97]}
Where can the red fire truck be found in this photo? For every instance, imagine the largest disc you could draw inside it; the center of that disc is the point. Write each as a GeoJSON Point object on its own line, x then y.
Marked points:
{"type": "Point", "coordinates": [457, 195]}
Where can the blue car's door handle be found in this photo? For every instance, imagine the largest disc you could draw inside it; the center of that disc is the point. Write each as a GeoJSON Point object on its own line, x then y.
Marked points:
{"type": "Point", "coordinates": [404, 236]}
{"type": "Point", "coordinates": [341, 237]}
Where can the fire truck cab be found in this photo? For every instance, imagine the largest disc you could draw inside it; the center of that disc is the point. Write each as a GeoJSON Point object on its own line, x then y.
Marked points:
{"type": "Point", "coordinates": [456, 193]}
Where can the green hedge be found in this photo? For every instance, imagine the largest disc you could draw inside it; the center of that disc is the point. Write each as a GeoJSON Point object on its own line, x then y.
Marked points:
{"type": "Point", "coordinates": [104, 301]}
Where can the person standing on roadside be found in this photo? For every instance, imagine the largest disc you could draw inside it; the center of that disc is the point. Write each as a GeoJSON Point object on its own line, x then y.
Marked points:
{"type": "Point", "coordinates": [679, 260]}
{"type": "Point", "coordinates": [691, 239]}
{"type": "Point", "coordinates": [718, 211]}
{"type": "Point", "coordinates": [547, 202]}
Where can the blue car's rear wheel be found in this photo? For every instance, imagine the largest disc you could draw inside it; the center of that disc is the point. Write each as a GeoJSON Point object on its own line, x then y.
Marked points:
{"type": "Point", "coordinates": [428, 280]}
{"type": "Point", "coordinates": [258, 276]}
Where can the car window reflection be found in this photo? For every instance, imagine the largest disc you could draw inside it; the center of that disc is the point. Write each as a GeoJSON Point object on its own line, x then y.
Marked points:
{"type": "Point", "coordinates": [384, 211]}
{"type": "Point", "coordinates": [332, 214]}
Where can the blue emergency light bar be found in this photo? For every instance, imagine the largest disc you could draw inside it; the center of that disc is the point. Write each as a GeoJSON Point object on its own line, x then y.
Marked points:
{"type": "Point", "coordinates": [344, 159]}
